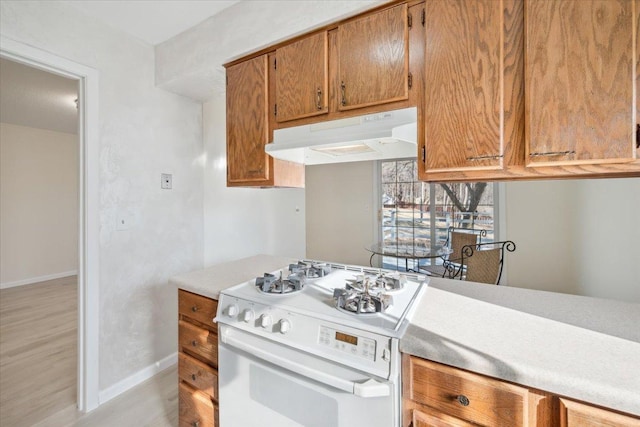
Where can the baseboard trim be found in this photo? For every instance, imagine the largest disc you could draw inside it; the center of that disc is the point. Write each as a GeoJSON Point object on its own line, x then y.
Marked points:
{"type": "Point", "coordinates": [33, 280]}
{"type": "Point", "coordinates": [137, 378]}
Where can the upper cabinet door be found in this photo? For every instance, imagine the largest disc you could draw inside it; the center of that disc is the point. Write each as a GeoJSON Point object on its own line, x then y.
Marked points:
{"type": "Point", "coordinates": [302, 78]}
{"type": "Point", "coordinates": [247, 122]}
{"type": "Point", "coordinates": [473, 85]}
{"type": "Point", "coordinates": [373, 59]}
{"type": "Point", "coordinates": [580, 73]}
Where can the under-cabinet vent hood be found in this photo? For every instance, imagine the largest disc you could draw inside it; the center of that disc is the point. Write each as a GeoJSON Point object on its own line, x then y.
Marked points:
{"type": "Point", "coordinates": [388, 135]}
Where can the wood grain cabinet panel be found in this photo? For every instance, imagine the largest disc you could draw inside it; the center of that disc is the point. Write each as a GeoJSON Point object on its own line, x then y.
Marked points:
{"type": "Point", "coordinates": [196, 408]}
{"type": "Point", "coordinates": [425, 417]}
{"type": "Point", "coordinates": [247, 122]}
{"type": "Point", "coordinates": [581, 103]}
{"type": "Point", "coordinates": [301, 74]}
{"type": "Point", "coordinates": [198, 375]}
{"type": "Point", "coordinates": [473, 85]}
{"type": "Point", "coordinates": [574, 414]}
{"type": "Point", "coordinates": [200, 343]}
{"type": "Point", "coordinates": [198, 308]}
{"type": "Point", "coordinates": [470, 397]}
{"type": "Point", "coordinates": [373, 59]}
{"type": "Point", "coordinates": [197, 360]}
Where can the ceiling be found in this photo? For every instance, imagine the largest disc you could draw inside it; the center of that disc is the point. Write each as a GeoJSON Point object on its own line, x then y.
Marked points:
{"type": "Point", "coordinates": [152, 21]}
{"type": "Point", "coordinates": [35, 98]}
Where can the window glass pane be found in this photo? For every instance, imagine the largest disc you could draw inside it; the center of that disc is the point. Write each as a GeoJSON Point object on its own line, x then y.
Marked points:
{"type": "Point", "coordinates": [388, 171]}
{"type": "Point", "coordinates": [406, 171]}
{"type": "Point", "coordinates": [410, 208]}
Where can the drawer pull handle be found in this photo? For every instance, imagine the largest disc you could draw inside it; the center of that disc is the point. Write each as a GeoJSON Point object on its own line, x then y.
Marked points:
{"type": "Point", "coordinates": [194, 308]}
{"type": "Point", "coordinates": [552, 153]}
{"type": "Point", "coordinates": [463, 400]}
{"type": "Point", "coordinates": [319, 99]}
{"type": "Point", "coordinates": [488, 157]}
{"type": "Point", "coordinates": [193, 377]}
{"type": "Point", "coordinates": [194, 343]}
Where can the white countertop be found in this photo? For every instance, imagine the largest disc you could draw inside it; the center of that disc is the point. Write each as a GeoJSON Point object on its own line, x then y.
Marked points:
{"type": "Point", "coordinates": [210, 281]}
{"type": "Point", "coordinates": [584, 348]}
{"type": "Point", "coordinates": [579, 347]}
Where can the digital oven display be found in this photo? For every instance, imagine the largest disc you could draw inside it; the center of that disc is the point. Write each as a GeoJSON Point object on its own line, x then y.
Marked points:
{"type": "Point", "coordinates": [349, 339]}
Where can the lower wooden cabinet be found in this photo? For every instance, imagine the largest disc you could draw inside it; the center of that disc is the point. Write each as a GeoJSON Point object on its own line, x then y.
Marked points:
{"type": "Point", "coordinates": [197, 361]}
{"type": "Point", "coordinates": [437, 395]}
{"type": "Point", "coordinates": [575, 414]}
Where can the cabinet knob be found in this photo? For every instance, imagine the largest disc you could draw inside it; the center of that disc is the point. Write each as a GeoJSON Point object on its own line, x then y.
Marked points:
{"type": "Point", "coordinates": [463, 400]}
{"type": "Point", "coordinates": [193, 377]}
{"type": "Point", "coordinates": [194, 343]}
{"type": "Point", "coordinates": [195, 424]}
{"type": "Point", "coordinates": [194, 308]}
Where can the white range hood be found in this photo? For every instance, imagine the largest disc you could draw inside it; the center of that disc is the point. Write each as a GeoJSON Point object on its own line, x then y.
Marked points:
{"type": "Point", "coordinates": [388, 135]}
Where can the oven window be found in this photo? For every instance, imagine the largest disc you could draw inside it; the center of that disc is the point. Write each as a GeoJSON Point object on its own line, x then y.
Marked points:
{"type": "Point", "coordinates": [301, 404]}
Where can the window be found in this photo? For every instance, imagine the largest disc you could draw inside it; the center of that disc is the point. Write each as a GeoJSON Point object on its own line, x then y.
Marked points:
{"type": "Point", "coordinates": [417, 214]}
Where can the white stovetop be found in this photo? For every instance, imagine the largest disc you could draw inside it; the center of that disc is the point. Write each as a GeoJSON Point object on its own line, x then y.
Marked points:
{"type": "Point", "coordinates": [316, 300]}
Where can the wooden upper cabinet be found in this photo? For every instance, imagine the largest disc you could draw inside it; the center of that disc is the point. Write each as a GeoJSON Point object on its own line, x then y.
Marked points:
{"type": "Point", "coordinates": [581, 103]}
{"type": "Point", "coordinates": [301, 76]}
{"type": "Point", "coordinates": [247, 122]}
{"type": "Point", "coordinates": [373, 59]}
{"type": "Point", "coordinates": [473, 85]}
{"type": "Point", "coordinates": [249, 127]}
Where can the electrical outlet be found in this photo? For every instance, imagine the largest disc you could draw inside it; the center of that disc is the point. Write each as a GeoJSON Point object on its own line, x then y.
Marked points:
{"type": "Point", "coordinates": [166, 181]}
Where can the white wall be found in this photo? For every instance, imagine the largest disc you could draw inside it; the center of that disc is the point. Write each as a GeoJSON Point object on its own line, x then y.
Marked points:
{"type": "Point", "coordinates": [144, 131]}
{"type": "Point", "coordinates": [577, 236]}
{"type": "Point", "coordinates": [240, 222]}
{"type": "Point", "coordinates": [38, 204]}
{"type": "Point", "coordinates": [340, 212]}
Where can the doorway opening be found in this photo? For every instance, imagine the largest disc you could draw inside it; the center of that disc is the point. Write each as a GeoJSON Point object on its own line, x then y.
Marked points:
{"type": "Point", "coordinates": [88, 208]}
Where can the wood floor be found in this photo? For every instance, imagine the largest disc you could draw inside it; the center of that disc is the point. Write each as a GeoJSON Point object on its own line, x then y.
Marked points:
{"type": "Point", "coordinates": [38, 363]}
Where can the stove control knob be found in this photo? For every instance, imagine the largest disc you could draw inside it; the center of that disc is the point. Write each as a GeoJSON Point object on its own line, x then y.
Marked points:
{"type": "Point", "coordinates": [265, 321]}
{"type": "Point", "coordinates": [232, 310]}
{"type": "Point", "coordinates": [248, 315]}
{"type": "Point", "coordinates": [285, 326]}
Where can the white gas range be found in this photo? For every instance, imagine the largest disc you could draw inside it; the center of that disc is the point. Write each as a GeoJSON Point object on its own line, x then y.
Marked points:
{"type": "Point", "coordinates": [314, 344]}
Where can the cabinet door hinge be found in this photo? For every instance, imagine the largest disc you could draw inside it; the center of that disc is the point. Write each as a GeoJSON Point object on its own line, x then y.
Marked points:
{"type": "Point", "coordinates": [409, 20]}
{"type": "Point", "coordinates": [423, 17]}
{"type": "Point", "coordinates": [410, 80]}
{"type": "Point", "coordinates": [275, 109]}
{"type": "Point", "coordinates": [638, 136]}
{"type": "Point", "coordinates": [275, 63]}
{"type": "Point", "coordinates": [227, 80]}
{"type": "Point", "coordinates": [424, 154]}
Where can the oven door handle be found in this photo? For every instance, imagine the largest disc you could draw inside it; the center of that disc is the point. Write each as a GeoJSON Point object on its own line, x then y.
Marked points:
{"type": "Point", "coordinates": [368, 388]}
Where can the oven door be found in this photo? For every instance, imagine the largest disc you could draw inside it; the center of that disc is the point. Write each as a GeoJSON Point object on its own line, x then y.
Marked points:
{"type": "Point", "coordinates": [263, 383]}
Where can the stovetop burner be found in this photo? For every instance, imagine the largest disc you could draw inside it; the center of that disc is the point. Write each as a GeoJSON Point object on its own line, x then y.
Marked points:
{"type": "Point", "coordinates": [311, 270]}
{"type": "Point", "coordinates": [381, 282]}
{"type": "Point", "coordinates": [277, 285]}
{"type": "Point", "coordinates": [361, 296]}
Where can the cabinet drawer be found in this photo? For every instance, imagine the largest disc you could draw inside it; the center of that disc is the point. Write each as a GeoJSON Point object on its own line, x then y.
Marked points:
{"type": "Point", "coordinates": [198, 308]}
{"type": "Point", "coordinates": [201, 343]}
{"type": "Point", "coordinates": [426, 417]}
{"type": "Point", "coordinates": [471, 397]}
{"type": "Point", "coordinates": [199, 375]}
{"type": "Point", "coordinates": [574, 414]}
{"type": "Point", "coordinates": [196, 408]}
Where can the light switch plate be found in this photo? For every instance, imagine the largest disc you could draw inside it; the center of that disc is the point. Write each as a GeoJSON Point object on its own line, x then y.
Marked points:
{"type": "Point", "coordinates": [166, 181]}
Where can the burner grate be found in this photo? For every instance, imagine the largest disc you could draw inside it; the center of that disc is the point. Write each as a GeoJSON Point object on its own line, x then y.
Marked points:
{"type": "Point", "coordinates": [277, 285]}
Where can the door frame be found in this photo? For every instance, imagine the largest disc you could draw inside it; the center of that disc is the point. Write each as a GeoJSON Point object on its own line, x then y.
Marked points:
{"type": "Point", "coordinates": [89, 221]}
